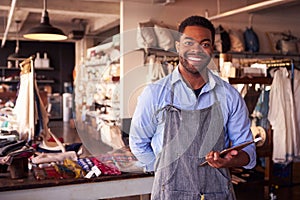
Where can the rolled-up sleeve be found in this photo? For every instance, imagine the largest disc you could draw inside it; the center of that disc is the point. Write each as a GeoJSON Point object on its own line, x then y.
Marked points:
{"type": "Point", "coordinates": [238, 128]}
{"type": "Point", "coordinates": [250, 150]}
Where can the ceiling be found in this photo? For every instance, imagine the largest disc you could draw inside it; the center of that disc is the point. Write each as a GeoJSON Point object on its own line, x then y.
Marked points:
{"type": "Point", "coordinates": [93, 16]}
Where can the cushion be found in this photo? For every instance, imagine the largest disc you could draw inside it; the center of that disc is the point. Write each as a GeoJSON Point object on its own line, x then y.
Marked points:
{"type": "Point", "coordinates": [146, 37]}
{"type": "Point", "coordinates": [288, 46]}
{"type": "Point", "coordinates": [164, 38]}
{"type": "Point", "coordinates": [237, 40]}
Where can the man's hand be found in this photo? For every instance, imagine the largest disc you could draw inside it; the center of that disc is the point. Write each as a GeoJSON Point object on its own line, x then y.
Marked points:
{"type": "Point", "coordinates": [233, 158]}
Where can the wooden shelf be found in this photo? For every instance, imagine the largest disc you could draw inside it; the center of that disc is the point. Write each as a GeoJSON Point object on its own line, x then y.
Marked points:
{"type": "Point", "coordinates": [159, 52]}
{"type": "Point", "coordinates": [258, 54]}
{"type": "Point", "coordinates": [45, 81]}
{"type": "Point", "coordinates": [46, 69]}
{"type": "Point", "coordinates": [17, 69]}
{"type": "Point", "coordinates": [38, 81]}
{"type": "Point", "coordinates": [249, 80]}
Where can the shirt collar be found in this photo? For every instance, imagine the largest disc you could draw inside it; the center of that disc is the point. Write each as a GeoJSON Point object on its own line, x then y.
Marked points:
{"type": "Point", "coordinates": [212, 79]}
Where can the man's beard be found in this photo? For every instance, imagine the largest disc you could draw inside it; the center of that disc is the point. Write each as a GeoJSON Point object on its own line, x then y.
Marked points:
{"type": "Point", "coordinates": [195, 70]}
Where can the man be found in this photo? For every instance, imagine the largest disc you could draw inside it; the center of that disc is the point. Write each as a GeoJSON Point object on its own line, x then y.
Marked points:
{"type": "Point", "coordinates": [187, 118]}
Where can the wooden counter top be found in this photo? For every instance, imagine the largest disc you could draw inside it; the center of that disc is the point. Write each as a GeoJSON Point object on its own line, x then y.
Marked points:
{"type": "Point", "coordinates": [102, 187]}
{"type": "Point", "coordinates": [8, 184]}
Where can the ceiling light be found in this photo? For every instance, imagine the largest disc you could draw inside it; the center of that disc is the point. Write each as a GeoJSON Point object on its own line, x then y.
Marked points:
{"type": "Point", "coordinates": [45, 31]}
{"type": "Point", "coordinates": [16, 55]}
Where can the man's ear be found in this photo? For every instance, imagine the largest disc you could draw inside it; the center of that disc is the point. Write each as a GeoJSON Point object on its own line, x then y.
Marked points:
{"type": "Point", "coordinates": [177, 46]}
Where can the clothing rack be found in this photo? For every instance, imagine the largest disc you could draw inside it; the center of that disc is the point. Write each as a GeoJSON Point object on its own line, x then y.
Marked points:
{"type": "Point", "coordinates": [160, 65]}
{"type": "Point", "coordinates": [288, 63]}
{"type": "Point", "coordinates": [159, 53]}
{"type": "Point", "coordinates": [265, 151]}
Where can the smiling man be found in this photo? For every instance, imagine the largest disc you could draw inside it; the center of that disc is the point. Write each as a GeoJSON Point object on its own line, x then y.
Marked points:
{"type": "Point", "coordinates": [187, 118]}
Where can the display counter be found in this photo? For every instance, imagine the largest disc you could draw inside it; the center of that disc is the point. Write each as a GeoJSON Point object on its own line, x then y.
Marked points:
{"type": "Point", "coordinates": [101, 187]}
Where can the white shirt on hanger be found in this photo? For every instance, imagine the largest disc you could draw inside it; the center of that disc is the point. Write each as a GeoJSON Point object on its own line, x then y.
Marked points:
{"type": "Point", "coordinates": [282, 117]}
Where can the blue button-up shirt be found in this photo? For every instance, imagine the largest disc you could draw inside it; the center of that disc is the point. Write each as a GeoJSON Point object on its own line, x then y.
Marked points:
{"type": "Point", "coordinates": [147, 125]}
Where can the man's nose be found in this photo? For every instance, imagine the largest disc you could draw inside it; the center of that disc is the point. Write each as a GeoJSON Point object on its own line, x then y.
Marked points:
{"type": "Point", "coordinates": [197, 47]}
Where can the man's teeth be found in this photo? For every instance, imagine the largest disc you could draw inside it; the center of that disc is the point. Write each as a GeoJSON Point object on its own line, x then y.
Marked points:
{"type": "Point", "coordinates": [194, 59]}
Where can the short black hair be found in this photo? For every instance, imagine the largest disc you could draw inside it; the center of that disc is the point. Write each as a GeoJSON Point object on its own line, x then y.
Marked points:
{"type": "Point", "coordinates": [198, 21]}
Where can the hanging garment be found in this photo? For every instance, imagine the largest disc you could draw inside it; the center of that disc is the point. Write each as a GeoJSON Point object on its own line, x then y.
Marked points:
{"type": "Point", "coordinates": [189, 135]}
{"type": "Point", "coordinates": [25, 107]}
{"type": "Point", "coordinates": [251, 40]}
{"type": "Point", "coordinates": [262, 109]}
{"type": "Point", "coordinates": [30, 109]}
{"type": "Point", "coordinates": [282, 118]}
{"type": "Point", "coordinates": [251, 98]}
{"type": "Point", "coordinates": [297, 109]}
{"type": "Point", "coordinates": [111, 136]}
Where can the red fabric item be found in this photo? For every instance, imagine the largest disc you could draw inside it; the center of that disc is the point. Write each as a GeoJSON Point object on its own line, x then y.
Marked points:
{"type": "Point", "coordinates": [51, 173]}
{"type": "Point", "coordinates": [107, 170]}
{"type": "Point", "coordinates": [52, 140]}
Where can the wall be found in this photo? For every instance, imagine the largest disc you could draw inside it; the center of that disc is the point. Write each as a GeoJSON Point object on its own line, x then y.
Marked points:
{"type": "Point", "coordinates": [133, 71]}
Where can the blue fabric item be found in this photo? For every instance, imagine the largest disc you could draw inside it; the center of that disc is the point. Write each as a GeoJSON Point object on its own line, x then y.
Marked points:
{"type": "Point", "coordinates": [147, 126]}
{"type": "Point", "coordinates": [70, 147]}
{"type": "Point", "coordinates": [85, 164]}
{"type": "Point", "coordinates": [262, 107]}
{"type": "Point", "coordinates": [12, 147]}
{"type": "Point", "coordinates": [251, 40]}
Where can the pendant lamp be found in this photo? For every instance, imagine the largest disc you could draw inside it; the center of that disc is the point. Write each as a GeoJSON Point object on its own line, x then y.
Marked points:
{"type": "Point", "coordinates": [16, 55]}
{"type": "Point", "coordinates": [45, 31]}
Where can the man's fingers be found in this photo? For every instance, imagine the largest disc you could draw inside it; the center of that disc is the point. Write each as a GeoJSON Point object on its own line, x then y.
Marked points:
{"type": "Point", "coordinates": [234, 152]}
{"type": "Point", "coordinates": [216, 155]}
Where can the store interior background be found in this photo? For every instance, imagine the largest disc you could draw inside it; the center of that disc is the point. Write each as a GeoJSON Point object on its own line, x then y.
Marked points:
{"type": "Point", "coordinates": [105, 18]}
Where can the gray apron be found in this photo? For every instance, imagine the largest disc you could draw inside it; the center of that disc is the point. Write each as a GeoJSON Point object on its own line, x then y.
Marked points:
{"type": "Point", "coordinates": [189, 135]}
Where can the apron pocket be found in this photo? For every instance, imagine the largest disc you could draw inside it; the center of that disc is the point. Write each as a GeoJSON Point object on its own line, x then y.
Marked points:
{"type": "Point", "coordinates": [180, 195]}
{"type": "Point", "coordinates": [217, 196]}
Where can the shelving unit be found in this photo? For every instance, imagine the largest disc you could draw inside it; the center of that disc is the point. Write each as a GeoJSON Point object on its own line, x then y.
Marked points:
{"type": "Point", "coordinates": [267, 148]}
{"type": "Point", "coordinates": [291, 62]}
{"type": "Point", "coordinates": [10, 76]}
{"type": "Point", "coordinates": [97, 98]}
{"type": "Point", "coordinates": [60, 54]}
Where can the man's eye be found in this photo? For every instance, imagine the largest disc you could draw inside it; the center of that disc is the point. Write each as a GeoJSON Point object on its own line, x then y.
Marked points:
{"type": "Point", "coordinates": [205, 45]}
{"type": "Point", "coordinates": [188, 43]}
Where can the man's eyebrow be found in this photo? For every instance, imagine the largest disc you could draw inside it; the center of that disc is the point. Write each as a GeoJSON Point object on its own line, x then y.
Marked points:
{"type": "Point", "coordinates": [190, 38]}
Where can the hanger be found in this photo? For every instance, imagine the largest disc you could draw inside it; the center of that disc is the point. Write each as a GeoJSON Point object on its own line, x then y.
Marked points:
{"type": "Point", "coordinates": [26, 65]}
{"type": "Point", "coordinates": [250, 21]}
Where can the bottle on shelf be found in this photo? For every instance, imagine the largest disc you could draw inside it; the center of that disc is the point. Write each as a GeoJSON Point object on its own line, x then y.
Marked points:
{"type": "Point", "coordinates": [45, 61]}
{"type": "Point", "coordinates": [38, 61]}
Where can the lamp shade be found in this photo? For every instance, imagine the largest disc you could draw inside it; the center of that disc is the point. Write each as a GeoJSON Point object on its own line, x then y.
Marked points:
{"type": "Point", "coordinates": [45, 31]}
{"type": "Point", "coordinates": [15, 56]}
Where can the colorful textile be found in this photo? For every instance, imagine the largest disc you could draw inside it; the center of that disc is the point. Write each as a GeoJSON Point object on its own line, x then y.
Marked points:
{"type": "Point", "coordinates": [107, 170]}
